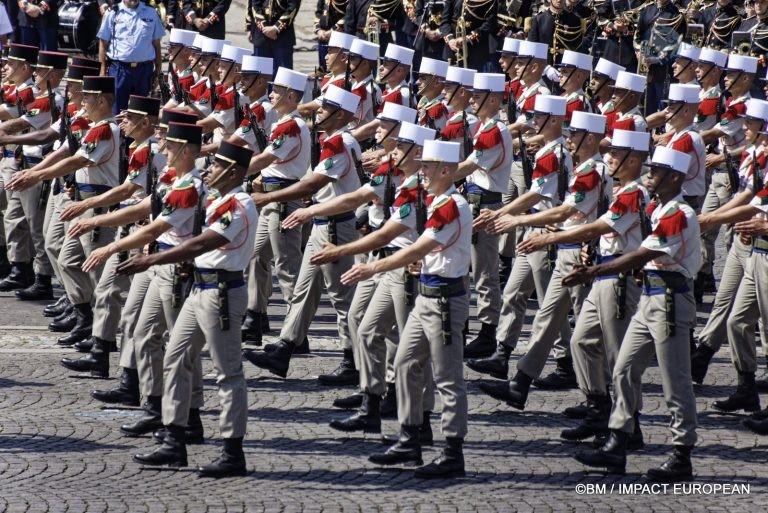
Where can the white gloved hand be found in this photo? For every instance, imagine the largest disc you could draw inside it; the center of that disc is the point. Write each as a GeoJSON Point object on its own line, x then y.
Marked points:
{"type": "Point", "coordinates": [552, 73]}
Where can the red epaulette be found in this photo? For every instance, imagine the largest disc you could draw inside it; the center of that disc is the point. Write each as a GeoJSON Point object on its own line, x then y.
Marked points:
{"type": "Point", "coordinates": [610, 121]}
{"type": "Point", "coordinates": [183, 197]}
{"type": "Point", "coordinates": [361, 92]}
{"type": "Point", "coordinates": [169, 176]}
{"type": "Point", "coordinates": [624, 124]}
{"type": "Point", "coordinates": [671, 224]}
{"type": "Point", "coordinates": [586, 181]}
{"type": "Point", "coordinates": [488, 139]}
{"type": "Point", "coordinates": [228, 205]}
{"type": "Point", "coordinates": [443, 215]}
{"type": "Point", "coordinates": [72, 108]}
{"type": "Point", "coordinates": [27, 96]}
{"type": "Point", "coordinates": [529, 103]}
{"type": "Point", "coordinates": [98, 133]}
{"type": "Point", "coordinates": [186, 82]}
{"type": "Point", "coordinates": [395, 96]}
{"type": "Point", "coordinates": [651, 207]}
{"type": "Point", "coordinates": [287, 128]}
{"type": "Point", "coordinates": [735, 111]}
{"type": "Point", "coordinates": [383, 169]}
{"type": "Point", "coordinates": [405, 195]}
{"type": "Point", "coordinates": [80, 123]}
{"type": "Point", "coordinates": [41, 104]}
{"type": "Point", "coordinates": [225, 101]}
{"type": "Point", "coordinates": [138, 158]}
{"type": "Point", "coordinates": [627, 202]}
{"type": "Point", "coordinates": [258, 112]}
{"type": "Point", "coordinates": [453, 130]}
{"type": "Point", "coordinates": [332, 146]}
{"type": "Point", "coordinates": [708, 107]}
{"type": "Point", "coordinates": [546, 165]}
{"type": "Point", "coordinates": [573, 106]}
{"type": "Point", "coordinates": [684, 144]}
{"type": "Point", "coordinates": [437, 111]}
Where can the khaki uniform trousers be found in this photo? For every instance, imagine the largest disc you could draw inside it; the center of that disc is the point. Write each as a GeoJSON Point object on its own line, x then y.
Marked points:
{"type": "Point", "coordinates": [718, 195]}
{"type": "Point", "coordinates": [647, 334]}
{"type": "Point", "coordinates": [715, 332]}
{"type": "Point", "coordinates": [198, 324]}
{"type": "Point", "coordinates": [130, 316]}
{"type": "Point", "coordinates": [529, 272]}
{"type": "Point", "coordinates": [306, 293]}
{"type": "Point", "coordinates": [378, 346]}
{"type": "Point", "coordinates": [485, 274]}
{"type": "Point", "coordinates": [158, 315]}
{"type": "Point", "coordinates": [553, 314]}
{"type": "Point", "coordinates": [79, 284]}
{"type": "Point", "coordinates": [55, 229]}
{"type": "Point", "coordinates": [422, 341]}
{"type": "Point", "coordinates": [107, 298]}
{"type": "Point", "coordinates": [23, 223]}
{"type": "Point", "coordinates": [598, 333]}
{"type": "Point", "coordinates": [749, 306]}
{"type": "Point", "coordinates": [271, 244]}
{"type": "Point", "coordinates": [517, 188]}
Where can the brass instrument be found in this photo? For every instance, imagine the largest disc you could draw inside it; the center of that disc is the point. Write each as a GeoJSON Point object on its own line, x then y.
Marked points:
{"type": "Point", "coordinates": [695, 34]}
{"type": "Point", "coordinates": [744, 48]}
{"type": "Point", "coordinates": [741, 43]}
{"type": "Point", "coordinates": [372, 32]}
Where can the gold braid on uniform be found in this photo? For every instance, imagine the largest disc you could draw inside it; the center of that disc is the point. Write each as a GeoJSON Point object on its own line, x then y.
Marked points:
{"type": "Point", "coordinates": [720, 31]}
{"type": "Point", "coordinates": [474, 8]}
{"type": "Point", "coordinates": [760, 41]}
{"type": "Point", "coordinates": [565, 37]}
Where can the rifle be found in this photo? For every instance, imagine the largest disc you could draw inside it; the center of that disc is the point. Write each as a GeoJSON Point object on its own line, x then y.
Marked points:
{"type": "Point", "coordinates": [348, 76]}
{"type": "Point", "coordinates": [156, 205]}
{"type": "Point", "coordinates": [389, 191]}
{"type": "Point", "coordinates": [315, 135]}
{"type": "Point", "coordinates": [733, 172]}
{"type": "Point", "coordinates": [258, 132]}
{"type": "Point", "coordinates": [757, 182]}
{"type": "Point", "coordinates": [361, 174]}
{"type": "Point", "coordinates": [602, 208]}
{"type": "Point", "coordinates": [374, 100]}
{"type": "Point", "coordinates": [165, 91]}
{"type": "Point", "coordinates": [467, 144]}
{"type": "Point", "coordinates": [525, 162]}
{"type": "Point", "coordinates": [45, 189]}
{"type": "Point", "coordinates": [52, 102]}
{"type": "Point", "coordinates": [214, 94]}
{"type": "Point", "coordinates": [178, 94]}
{"type": "Point", "coordinates": [238, 109]}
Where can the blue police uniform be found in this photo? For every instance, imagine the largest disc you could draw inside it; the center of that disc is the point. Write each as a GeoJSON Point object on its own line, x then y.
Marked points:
{"type": "Point", "coordinates": [130, 33]}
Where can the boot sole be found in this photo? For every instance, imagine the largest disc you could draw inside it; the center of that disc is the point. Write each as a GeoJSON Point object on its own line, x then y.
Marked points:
{"type": "Point", "coordinates": [749, 409]}
{"type": "Point", "coordinates": [668, 479]}
{"type": "Point", "coordinates": [173, 464]}
{"type": "Point", "coordinates": [369, 430]}
{"type": "Point", "coordinates": [271, 370]}
{"type": "Point", "coordinates": [136, 434]}
{"type": "Point", "coordinates": [493, 374]}
{"type": "Point", "coordinates": [217, 475]}
{"type": "Point", "coordinates": [610, 469]}
{"type": "Point", "coordinates": [409, 463]}
{"type": "Point", "coordinates": [579, 438]}
{"type": "Point", "coordinates": [447, 475]}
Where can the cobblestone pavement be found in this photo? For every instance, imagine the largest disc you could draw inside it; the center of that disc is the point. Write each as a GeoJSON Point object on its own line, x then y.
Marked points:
{"type": "Point", "coordinates": [60, 450]}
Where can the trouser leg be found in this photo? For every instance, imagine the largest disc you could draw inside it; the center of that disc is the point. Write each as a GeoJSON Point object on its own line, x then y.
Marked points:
{"type": "Point", "coordinates": [56, 231]}
{"type": "Point", "coordinates": [485, 275]}
{"type": "Point", "coordinates": [741, 322]}
{"type": "Point", "coordinates": [130, 316]}
{"type": "Point", "coordinates": [412, 357]}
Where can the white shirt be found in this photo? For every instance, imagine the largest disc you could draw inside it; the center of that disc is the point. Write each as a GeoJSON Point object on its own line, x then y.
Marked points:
{"type": "Point", "coordinates": [182, 217]}
{"type": "Point", "coordinates": [623, 216]}
{"type": "Point", "coordinates": [289, 141]}
{"type": "Point", "coordinates": [337, 163]}
{"type": "Point", "coordinates": [449, 222]}
{"type": "Point", "coordinates": [689, 141]}
{"type": "Point", "coordinates": [589, 179]}
{"type": "Point", "coordinates": [101, 146]}
{"type": "Point", "coordinates": [546, 172]}
{"type": "Point", "coordinates": [675, 232]}
{"type": "Point", "coordinates": [492, 154]}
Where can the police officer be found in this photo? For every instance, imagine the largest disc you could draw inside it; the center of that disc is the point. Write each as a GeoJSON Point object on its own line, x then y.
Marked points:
{"type": "Point", "coordinates": [123, 50]}
{"type": "Point", "coordinates": [269, 24]}
{"type": "Point", "coordinates": [670, 257]}
{"type": "Point", "coordinates": [207, 16]}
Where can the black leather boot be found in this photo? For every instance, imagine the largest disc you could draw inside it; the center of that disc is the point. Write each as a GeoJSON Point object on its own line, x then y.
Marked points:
{"type": "Point", "coordinates": [596, 421]}
{"type": "Point", "coordinates": [762, 382]}
{"type": "Point", "coordinates": [677, 468]}
{"type": "Point", "coordinates": [514, 393]}
{"type": "Point", "coordinates": [406, 450]}
{"type": "Point", "coordinates": [634, 443]}
{"type": "Point", "coordinates": [251, 329]}
{"type": "Point", "coordinates": [96, 362]}
{"type": "Point", "coordinates": [577, 412]}
{"type": "Point", "coordinates": [230, 463]}
{"type": "Point", "coordinates": [85, 346]}
{"type": "Point", "coordinates": [5, 265]}
{"type": "Point", "coordinates": [20, 277]}
{"type": "Point", "coordinates": [276, 361]}
{"type": "Point", "coordinates": [388, 407]}
{"type": "Point", "coordinates": [484, 343]}
{"type": "Point", "coordinates": [127, 392]}
{"type": "Point", "coordinates": [83, 326]}
{"type": "Point", "coordinates": [64, 322]}
{"type": "Point", "coordinates": [759, 426]}
{"type": "Point", "coordinates": [700, 359]}
{"type": "Point", "coordinates": [367, 420]}
{"type": "Point", "coordinates": [745, 398]}
{"type": "Point", "coordinates": [563, 377]}
{"type": "Point", "coordinates": [612, 455]}
{"type": "Point", "coordinates": [351, 402]}
{"type": "Point", "coordinates": [193, 433]}
{"type": "Point", "coordinates": [425, 433]}
{"type": "Point", "coordinates": [302, 348]}
{"type": "Point", "coordinates": [265, 323]}
{"type": "Point", "coordinates": [57, 308]}
{"type": "Point", "coordinates": [449, 464]}
{"type": "Point", "coordinates": [173, 452]}
{"type": "Point", "coordinates": [345, 374]}
{"type": "Point", "coordinates": [152, 420]}
{"type": "Point", "coordinates": [39, 290]}
{"type": "Point", "coordinates": [496, 365]}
